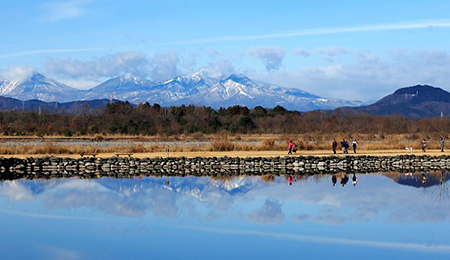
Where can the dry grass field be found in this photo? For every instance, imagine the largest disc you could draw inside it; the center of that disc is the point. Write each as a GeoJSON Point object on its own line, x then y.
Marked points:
{"type": "Point", "coordinates": [213, 145]}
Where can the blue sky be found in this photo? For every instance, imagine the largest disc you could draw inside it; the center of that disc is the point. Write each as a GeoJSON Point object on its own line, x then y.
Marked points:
{"type": "Point", "coordinates": [345, 49]}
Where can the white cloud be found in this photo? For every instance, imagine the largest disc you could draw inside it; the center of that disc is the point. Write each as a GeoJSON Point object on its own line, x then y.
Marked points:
{"type": "Point", "coordinates": [161, 66]}
{"type": "Point", "coordinates": [48, 51]}
{"type": "Point", "coordinates": [164, 65]}
{"type": "Point", "coordinates": [64, 10]}
{"type": "Point", "coordinates": [106, 66]}
{"type": "Point", "coordinates": [17, 74]}
{"type": "Point", "coordinates": [365, 76]}
{"type": "Point", "coordinates": [301, 52]}
{"type": "Point", "coordinates": [271, 57]}
{"type": "Point", "coordinates": [220, 68]}
{"type": "Point", "coordinates": [420, 24]}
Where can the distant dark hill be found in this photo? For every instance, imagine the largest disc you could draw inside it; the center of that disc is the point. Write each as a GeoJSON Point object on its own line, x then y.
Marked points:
{"type": "Point", "coordinates": [416, 180]}
{"type": "Point", "coordinates": [12, 104]}
{"type": "Point", "coordinates": [412, 102]}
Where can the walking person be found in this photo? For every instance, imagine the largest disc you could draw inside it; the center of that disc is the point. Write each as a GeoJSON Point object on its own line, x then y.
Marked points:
{"type": "Point", "coordinates": [290, 147]}
{"type": "Point", "coordinates": [343, 146]}
{"type": "Point", "coordinates": [334, 146]}
{"type": "Point", "coordinates": [424, 145]}
{"type": "Point", "coordinates": [442, 143]}
{"type": "Point", "coordinates": [354, 144]}
{"type": "Point", "coordinates": [346, 146]}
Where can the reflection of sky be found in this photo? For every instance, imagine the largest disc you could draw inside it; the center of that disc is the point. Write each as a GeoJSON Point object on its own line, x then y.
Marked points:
{"type": "Point", "coordinates": [204, 218]}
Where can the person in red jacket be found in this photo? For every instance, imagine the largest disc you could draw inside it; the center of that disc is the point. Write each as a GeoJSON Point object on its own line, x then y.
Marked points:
{"type": "Point", "coordinates": [290, 146]}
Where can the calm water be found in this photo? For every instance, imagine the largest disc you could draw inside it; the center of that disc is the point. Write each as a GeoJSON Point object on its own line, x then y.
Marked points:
{"type": "Point", "coordinates": [392, 217]}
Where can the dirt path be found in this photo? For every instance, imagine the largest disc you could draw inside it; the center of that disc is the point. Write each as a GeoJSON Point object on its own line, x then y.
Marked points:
{"type": "Point", "coordinates": [250, 154]}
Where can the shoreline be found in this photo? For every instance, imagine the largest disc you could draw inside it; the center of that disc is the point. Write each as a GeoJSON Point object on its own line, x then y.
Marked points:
{"type": "Point", "coordinates": [129, 167]}
{"type": "Point", "coordinates": [241, 154]}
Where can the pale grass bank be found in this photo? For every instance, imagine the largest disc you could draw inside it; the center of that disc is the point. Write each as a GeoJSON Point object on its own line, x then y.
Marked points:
{"type": "Point", "coordinates": [242, 154]}
{"type": "Point", "coordinates": [223, 144]}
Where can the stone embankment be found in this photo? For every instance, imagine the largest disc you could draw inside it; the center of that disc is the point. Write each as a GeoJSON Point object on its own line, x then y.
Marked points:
{"type": "Point", "coordinates": [50, 167]}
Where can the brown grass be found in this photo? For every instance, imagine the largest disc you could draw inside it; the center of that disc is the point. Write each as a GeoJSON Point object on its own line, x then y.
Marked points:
{"type": "Point", "coordinates": [224, 142]}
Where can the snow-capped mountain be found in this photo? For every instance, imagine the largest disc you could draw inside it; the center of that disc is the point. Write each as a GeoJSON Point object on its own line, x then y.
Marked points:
{"type": "Point", "coordinates": [197, 89]}
{"type": "Point", "coordinates": [41, 88]}
{"type": "Point", "coordinates": [127, 85]}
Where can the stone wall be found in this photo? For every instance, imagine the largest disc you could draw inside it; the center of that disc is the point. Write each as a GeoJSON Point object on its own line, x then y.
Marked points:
{"type": "Point", "coordinates": [51, 167]}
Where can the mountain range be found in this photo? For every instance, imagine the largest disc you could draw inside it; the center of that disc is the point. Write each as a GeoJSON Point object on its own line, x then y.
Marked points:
{"type": "Point", "coordinates": [74, 107]}
{"type": "Point", "coordinates": [196, 89]}
{"type": "Point", "coordinates": [199, 89]}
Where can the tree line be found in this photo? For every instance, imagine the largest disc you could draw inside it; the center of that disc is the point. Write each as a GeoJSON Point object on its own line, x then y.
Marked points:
{"type": "Point", "coordinates": [147, 119]}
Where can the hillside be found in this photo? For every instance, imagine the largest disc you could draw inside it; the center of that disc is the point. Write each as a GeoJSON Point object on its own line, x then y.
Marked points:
{"type": "Point", "coordinates": [413, 102]}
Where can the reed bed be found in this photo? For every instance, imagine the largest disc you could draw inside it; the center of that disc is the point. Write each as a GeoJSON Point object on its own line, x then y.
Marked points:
{"type": "Point", "coordinates": [222, 142]}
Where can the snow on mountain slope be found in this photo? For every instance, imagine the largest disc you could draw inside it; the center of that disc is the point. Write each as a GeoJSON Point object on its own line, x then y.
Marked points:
{"type": "Point", "coordinates": [234, 89]}
{"type": "Point", "coordinates": [197, 89]}
{"type": "Point", "coordinates": [39, 87]}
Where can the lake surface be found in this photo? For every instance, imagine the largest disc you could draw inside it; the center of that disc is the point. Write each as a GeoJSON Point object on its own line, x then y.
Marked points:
{"type": "Point", "coordinates": [392, 216]}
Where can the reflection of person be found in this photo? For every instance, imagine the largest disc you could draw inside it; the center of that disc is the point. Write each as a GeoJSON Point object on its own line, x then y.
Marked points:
{"type": "Point", "coordinates": [441, 143]}
{"type": "Point", "coordinates": [334, 146]}
{"type": "Point", "coordinates": [290, 179]}
{"type": "Point", "coordinates": [344, 180]}
{"type": "Point", "coordinates": [333, 180]}
{"type": "Point", "coordinates": [424, 178]}
{"type": "Point", "coordinates": [354, 180]}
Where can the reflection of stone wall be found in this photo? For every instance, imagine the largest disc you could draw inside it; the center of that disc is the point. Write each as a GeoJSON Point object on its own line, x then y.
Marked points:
{"type": "Point", "coordinates": [212, 166]}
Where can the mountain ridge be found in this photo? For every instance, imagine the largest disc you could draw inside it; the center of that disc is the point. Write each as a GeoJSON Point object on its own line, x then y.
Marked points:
{"type": "Point", "coordinates": [195, 89]}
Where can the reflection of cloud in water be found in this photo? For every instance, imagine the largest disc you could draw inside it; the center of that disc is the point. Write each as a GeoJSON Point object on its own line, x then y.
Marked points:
{"type": "Point", "coordinates": [15, 190]}
{"type": "Point", "coordinates": [269, 213]}
{"type": "Point", "coordinates": [163, 203]}
{"type": "Point", "coordinates": [53, 252]}
{"type": "Point", "coordinates": [98, 200]}
{"type": "Point", "coordinates": [378, 198]}
{"type": "Point", "coordinates": [335, 241]}
{"type": "Point", "coordinates": [206, 199]}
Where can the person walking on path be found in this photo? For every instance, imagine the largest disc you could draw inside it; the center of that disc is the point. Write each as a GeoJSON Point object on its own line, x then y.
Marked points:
{"type": "Point", "coordinates": [346, 146]}
{"type": "Point", "coordinates": [334, 146]}
{"type": "Point", "coordinates": [354, 144]}
{"type": "Point", "coordinates": [442, 143]}
{"type": "Point", "coordinates": [290, 146]}
{"type": "Point", "coordinates": [424, 145]}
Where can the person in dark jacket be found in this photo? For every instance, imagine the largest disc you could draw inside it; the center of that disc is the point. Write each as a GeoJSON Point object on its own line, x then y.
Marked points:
{"type": "Point", "coordinates": [343, 145]}
{"type": "Point", "coordinates": [334, 146]}
{"type": "Point", "coordinates": [424, 145]}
